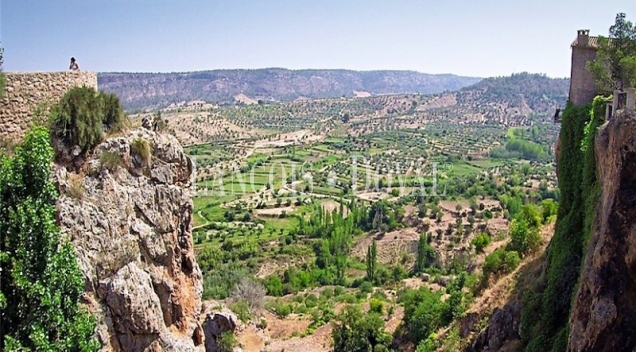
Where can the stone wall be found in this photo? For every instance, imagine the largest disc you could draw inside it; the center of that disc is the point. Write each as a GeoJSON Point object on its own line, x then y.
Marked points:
{"type": "Point", "coordinates": [30, 95]}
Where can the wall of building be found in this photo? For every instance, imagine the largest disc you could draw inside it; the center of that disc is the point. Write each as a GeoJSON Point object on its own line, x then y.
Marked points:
{"type": "Point", "coordinates": [29, 96]}
{"type": "Point", "coordinates": [582, 86]}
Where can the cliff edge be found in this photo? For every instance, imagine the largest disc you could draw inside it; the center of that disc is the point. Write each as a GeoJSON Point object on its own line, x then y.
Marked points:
{"type": "Point", "coordinates": [604, 311]}
{"type": "Point", "coordinates": [128, 212]}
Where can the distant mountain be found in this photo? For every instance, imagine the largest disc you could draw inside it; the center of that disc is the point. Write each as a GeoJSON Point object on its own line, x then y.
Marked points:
{"type": "Point", "coordinates": [511, 99]}
{"type": "Point", "coordinates": [140, 91]}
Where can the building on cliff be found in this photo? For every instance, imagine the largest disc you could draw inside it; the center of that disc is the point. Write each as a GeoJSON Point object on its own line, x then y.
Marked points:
{"type": "Point", "coordinates": [582, 86]}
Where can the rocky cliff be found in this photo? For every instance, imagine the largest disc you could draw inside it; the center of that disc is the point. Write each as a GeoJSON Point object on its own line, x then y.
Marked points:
{"type": "Point", "coordinates": [128, 215]}
{"type": "Point", "coordinates": [604, 312]}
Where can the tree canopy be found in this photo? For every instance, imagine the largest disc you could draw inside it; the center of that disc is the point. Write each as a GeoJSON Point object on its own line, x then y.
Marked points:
{"type": "Point", "coordinates": [41, 281]}
{"type": "Point", "coordinates": [615, 63]}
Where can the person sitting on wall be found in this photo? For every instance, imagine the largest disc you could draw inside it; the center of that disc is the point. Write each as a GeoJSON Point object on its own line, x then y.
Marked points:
{"type": "Point", "coordinates": [74, 66]}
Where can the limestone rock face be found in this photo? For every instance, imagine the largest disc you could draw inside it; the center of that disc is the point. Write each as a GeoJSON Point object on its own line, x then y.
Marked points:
{"type": "Point", "coordinates": [129, 218]}
{"type": "Point", "coordinates": [604, 312]}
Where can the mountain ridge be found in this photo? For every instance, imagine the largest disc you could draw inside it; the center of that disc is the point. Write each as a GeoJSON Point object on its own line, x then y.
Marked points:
{"type": "Point", "coordinates": [145, 91]}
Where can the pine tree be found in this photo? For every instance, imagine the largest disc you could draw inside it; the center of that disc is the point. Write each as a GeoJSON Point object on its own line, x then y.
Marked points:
{"type": "Point", "coordinates": [40, 280]}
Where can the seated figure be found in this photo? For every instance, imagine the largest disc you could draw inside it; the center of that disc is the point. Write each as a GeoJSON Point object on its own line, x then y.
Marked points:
{"type": "Point", "coordinates": [74, 66]}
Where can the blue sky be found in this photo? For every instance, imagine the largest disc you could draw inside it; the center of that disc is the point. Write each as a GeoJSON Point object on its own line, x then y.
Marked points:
{"type": "Point", "coordinates": [470, 37]}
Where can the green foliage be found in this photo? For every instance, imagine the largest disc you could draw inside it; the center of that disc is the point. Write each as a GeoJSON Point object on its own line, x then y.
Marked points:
{"type": "Point", "coordinates": [549, 210]}
{"type": "Point", "coordinates": [41, 280]}
{"type": "Point", "coordinates": [274, 286]}
{"type": "Point", "coordinates": [501, 261]}
{"type": "Point", "coordinates": [242, 310]}
{"type": "Point", "coordinates": [218, 284]}
{"type": "Point", "coordinates": [425, 254]}
{"type": "Point", "coordinates": [523, 238]}
{"type": "Point", "coordinates": [110, 160]}
{"type": "Point", "coordinates": [428, 345]}
{"type": "Point", "coordinates": [354, 331]}
{"type": "Point", "coordinates": [282, 310]}
{"type": "Point", "coordinates": [142, 148]}
{"type": "Point", "coordinates": [423, 311]}
{"type": "Point", "coordinates": [376, 306]}
{"type": "Point", "coordinates": [114, 115]}
{"type": "Point", "coordinates": [78, 117]}
{"type": "Point", "coordinates": [3, 83]}
{"type": "Point", "coordinates": [575, 216]}
{"type": "Point", "coordinates": [480, 242]}
{"type": "Point", "coordinates": [372, 253]}
{"type": "Point", "coordinates": [226, 342]}
{"type": "Point", "coordinates": [615, 60]}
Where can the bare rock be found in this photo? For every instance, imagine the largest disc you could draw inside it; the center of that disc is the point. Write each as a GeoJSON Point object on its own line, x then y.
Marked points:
{"type": "Point", "coordinates": [132, 235]}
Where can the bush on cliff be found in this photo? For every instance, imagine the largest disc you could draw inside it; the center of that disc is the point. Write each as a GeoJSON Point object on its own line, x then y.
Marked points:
{"type": "Point", "coordinates": [79, 118]}
{"type": "Point", "coordinates": [41, 280]}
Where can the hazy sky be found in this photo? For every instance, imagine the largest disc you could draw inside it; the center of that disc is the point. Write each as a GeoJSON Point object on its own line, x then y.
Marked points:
{"type": "Point", "coordinates": [469, 37]}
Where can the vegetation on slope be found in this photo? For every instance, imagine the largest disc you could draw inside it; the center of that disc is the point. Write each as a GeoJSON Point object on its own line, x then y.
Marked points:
{"type": "Point", "coordinates": [41, 280]}
{"type": "Point", "coordinates": [546, 311]}
{"type": "Point", "coordinates": [78, 117]}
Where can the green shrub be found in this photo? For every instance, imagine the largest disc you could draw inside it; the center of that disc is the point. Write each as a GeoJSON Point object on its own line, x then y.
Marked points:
{"type": "Point", "coordinates": [501, 261]}
{"type": "Point", "coordinates": [376, 306]}
{"type": "Point", "coordinates": [355, 331]}
{"type": "Point", "coordinates": [274, 286]}
{"type": "Point", "coordinates": [242, 310]}
{"type": "Point", "coordinates": [524, 238]}
{"type": "Point", "coordinates": [142, 148]}
{"type": "Point", "coordinates": [366, 287]}
{"type": "Point", "coordinates": [110, 160]}
{"type": "Point", "coordinates": [338, 290]}
{"type": "Point", "coordinates": [78, 118]}
{"type": "Point", "coordinates": [327, 293]}
{"type": "Point", "coordinates": [114, 115]}
{"type": "Point", "coordinates": [480, 242]}
{"type": "Point", "coordinates": [282, 310]}
{"type": "Point", "coordinates": [226, 342]}
{"type": "Point", "coordinates": [311, 301]}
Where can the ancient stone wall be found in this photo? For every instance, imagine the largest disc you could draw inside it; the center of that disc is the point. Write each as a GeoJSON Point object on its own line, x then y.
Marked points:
{"type": "Point", "coordinates": [30, 95]}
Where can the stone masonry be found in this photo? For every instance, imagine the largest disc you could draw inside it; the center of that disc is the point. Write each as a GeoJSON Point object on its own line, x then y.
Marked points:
{"type": "Point", "coordinates": [30, 95]}
{"type": "Point", "coordinates": [582, 86]}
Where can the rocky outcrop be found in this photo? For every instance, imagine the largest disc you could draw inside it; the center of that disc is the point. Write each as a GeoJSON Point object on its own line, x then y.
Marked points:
{"type": "Point", "coordinates": [503, 326]}
{"type": "Point", "coordinates": [129, 218]}
{"type": "Point", "coordinates": [604, 313]}
{"type": "Point", "coordinates": [214, 325]}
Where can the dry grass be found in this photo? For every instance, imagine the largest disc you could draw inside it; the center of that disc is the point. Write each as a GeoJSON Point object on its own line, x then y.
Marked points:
{"type": "Point", "coordinates": [142, 148]}
{"type": "Point", "coordinates": [110, 160]}
{"type": "Point", "coordinates": [76, 186]}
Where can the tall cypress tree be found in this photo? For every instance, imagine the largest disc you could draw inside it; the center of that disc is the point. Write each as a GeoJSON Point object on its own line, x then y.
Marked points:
{"type": "Point", "coordinates": [372, 252]}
